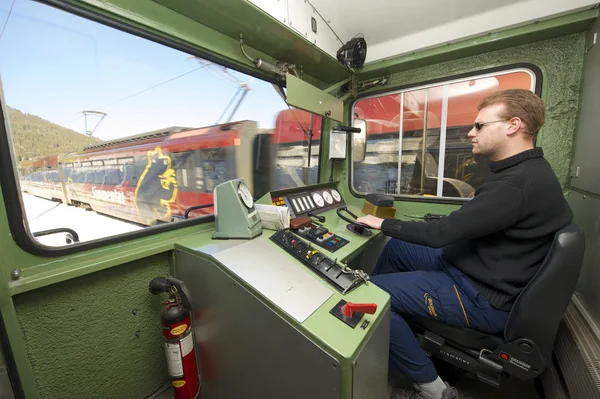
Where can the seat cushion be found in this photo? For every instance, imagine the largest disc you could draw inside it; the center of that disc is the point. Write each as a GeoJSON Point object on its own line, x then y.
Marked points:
{"type": "Point", "coordinates": [466, 337]}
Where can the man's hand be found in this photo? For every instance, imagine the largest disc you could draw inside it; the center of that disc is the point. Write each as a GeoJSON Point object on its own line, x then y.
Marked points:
{"type": "Point", "coordinates": [371, 221]}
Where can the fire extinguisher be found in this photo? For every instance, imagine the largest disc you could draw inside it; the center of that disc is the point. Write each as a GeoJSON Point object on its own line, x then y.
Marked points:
{"type": "Point", "coordinates": [176, 319]}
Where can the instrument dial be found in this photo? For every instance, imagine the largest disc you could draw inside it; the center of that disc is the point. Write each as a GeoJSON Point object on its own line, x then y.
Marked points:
{"type": "Point", "coordinates": [318, 200]}
{"type": "Point", "coordinates": [336, 195]}
{"type": "Point", "coordinates": [245, 195]}
{"type": "Point", "coordinates": [328, 198]}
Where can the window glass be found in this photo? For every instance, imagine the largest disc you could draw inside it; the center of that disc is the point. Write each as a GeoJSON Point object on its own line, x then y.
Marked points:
{"type": "Point", "coordinates": [417, 142]}
{"type": "Point", "coordinates": [114, 133]}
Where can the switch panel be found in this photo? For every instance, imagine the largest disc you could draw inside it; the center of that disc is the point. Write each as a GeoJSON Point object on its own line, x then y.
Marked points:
{"type": "Point", "coordinates": [326, 268]}
{"type": "Point", "coordinates": [322, 237]}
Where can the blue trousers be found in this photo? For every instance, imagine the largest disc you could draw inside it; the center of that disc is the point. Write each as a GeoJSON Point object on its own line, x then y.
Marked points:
{"type": "Point", "coordinates": [422, 283]}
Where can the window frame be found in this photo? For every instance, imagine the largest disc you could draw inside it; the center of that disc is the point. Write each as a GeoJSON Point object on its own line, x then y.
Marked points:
{"type": "Point", "coordinates": [533, 70]}
{"type": "Point", "coordinates": [9, 174]}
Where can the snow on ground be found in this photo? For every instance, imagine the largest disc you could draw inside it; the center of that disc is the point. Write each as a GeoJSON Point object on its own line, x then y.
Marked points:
{"type": "Point", "coordinates": [43, 214]}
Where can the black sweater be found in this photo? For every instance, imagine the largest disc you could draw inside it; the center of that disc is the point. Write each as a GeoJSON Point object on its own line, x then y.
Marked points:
{"type": "Point", "coordinates": [500, 237]}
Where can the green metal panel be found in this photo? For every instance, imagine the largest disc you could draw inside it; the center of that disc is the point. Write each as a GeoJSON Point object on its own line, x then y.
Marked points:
{"type": "Point", "coordinates": [97, 336]}
{"type": "Point", "coordinates": [586, 211]}
{"type": "Point", "coordinates": [263, 32]}
{"type": "Point", "coordinates": [207, 42]}
{"type": "Point", "coordinates": [333, 336]}
{"type": "Point", "coordinates": [555, 27]}
{"type": "Point", "coordinates": [309, 98]}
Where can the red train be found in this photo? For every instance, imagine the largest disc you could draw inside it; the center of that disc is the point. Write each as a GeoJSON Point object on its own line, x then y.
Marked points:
{"type": "Point", "coordinates": [155, 177]}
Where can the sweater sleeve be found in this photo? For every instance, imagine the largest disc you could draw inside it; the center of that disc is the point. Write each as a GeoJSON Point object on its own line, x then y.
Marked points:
{"type": "Point", "coordinates": [495, 207]}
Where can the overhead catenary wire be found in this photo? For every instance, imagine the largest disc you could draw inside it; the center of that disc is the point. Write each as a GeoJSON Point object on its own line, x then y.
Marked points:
{"type": "Point", "coordinates": [7, 18]}
{"type": "Point", "coordinates": [142, 91]}
{"type": "Point", "coordinates": [150, 88]}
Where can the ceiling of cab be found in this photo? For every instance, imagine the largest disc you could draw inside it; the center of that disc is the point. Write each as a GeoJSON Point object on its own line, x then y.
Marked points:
{"type": "Point", "coordinates": [396, 27]}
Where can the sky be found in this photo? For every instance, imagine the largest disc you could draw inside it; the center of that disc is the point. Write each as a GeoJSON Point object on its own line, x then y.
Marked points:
{"type": "Point", "coordinates": [55, 65]}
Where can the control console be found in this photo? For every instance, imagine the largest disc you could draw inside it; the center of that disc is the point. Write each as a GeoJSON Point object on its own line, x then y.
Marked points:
{"type": "Point", "coordinates": [342, 278]}
{"type": "Point", "coordinates": [321, 236]}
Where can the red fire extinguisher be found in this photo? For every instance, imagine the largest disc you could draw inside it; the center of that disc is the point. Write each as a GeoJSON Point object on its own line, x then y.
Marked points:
{"type": "Point", "coordinates": [178, 337]}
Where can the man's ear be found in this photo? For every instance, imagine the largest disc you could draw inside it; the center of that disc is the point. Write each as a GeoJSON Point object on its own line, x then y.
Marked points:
{"type": "Point", "coordinates": [515, 124]}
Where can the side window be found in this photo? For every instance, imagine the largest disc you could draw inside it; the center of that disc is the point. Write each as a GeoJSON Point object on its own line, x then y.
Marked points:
{"type": "Point", "coordinates": [417, 142]}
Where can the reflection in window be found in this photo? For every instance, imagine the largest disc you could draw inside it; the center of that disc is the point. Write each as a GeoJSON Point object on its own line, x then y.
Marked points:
{"type": "Point", "coordinates": [417, 140]}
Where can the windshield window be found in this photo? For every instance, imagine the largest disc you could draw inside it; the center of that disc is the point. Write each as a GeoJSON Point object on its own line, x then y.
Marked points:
{"type": "Point", "coordinates": [114, 133]}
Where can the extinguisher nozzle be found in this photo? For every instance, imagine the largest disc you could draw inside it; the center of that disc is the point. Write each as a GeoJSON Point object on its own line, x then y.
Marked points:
{"type": "Point", "coordinates": [158, 285]}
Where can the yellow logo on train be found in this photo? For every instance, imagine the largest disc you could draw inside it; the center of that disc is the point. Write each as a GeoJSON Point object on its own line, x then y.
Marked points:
{"type": "Point", "coordinates": [157, 188]}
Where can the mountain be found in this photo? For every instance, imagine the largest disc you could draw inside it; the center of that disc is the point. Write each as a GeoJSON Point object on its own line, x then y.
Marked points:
{"type": "Point", "coordinates": [36, 137]}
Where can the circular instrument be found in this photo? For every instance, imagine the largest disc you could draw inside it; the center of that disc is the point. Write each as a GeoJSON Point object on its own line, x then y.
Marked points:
{"type": "Point", "coordinates": [318, 200]}
{"type": "Point", "coordinates": [336, 195]}
{"type": "Point", "coordinates": [328, 198]}
{"type": "Point", "coordinates": [245, 195]}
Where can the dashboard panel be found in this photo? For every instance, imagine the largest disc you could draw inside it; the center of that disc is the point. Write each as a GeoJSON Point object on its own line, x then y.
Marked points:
{"type": "Point", "coordinates": [313, 199]}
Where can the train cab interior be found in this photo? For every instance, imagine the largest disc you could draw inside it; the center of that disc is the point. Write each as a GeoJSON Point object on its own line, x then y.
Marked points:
{"type": "Point", "coordinates": [181, 182]}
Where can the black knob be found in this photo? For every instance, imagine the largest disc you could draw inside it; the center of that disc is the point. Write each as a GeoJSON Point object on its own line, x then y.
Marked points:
{"type": "Point", "coordinates": [319, 218]}
{"type": "Point", "coordinates": [525, 347]}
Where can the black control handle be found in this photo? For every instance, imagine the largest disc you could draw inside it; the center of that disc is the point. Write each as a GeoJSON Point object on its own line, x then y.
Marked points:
{"type": "Point", "coordinates": [319, 218]}
{"type": "Point", "coordinates": [195, 208]}
{"type": "Point", "coordinates": [354, 222]}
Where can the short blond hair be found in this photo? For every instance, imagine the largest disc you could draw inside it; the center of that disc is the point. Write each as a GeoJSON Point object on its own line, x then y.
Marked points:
{"type": "Point", "coordinates": [519, 103]}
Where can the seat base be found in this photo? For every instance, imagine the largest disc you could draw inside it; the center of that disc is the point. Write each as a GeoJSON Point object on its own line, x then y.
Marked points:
{"type": "Point", "coordinates": [465, 337]}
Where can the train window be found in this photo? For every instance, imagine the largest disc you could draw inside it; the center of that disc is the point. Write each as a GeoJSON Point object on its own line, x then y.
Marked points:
{"type": "Point", "coordinates": [113, 177]}
{"type": "Point", "coordinates": [113, 144]}
{"type": "Point", "coordinates": [417, 141]}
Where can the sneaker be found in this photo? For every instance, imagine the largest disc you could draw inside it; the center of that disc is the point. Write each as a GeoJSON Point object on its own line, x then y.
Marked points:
{"type": "Point", "coordinates": [415, 393]}
{"type": "Point", "coordinates": [407, 394]}
{"type": "Point", "coordinates": [449, 392]}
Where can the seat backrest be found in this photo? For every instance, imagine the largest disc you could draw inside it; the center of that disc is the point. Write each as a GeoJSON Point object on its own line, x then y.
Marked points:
{"type": "Point", "coordinates": [540, 307]}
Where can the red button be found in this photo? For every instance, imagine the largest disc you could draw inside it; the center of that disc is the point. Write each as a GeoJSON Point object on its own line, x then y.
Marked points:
{"type": "Point", "coordinates": [504, 356]}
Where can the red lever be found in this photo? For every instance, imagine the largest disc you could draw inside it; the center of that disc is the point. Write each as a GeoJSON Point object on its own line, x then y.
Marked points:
{"type": "Point", "coordinates": [350, 308]}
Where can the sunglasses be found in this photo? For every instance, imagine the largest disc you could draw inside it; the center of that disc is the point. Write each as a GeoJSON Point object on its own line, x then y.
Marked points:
{"type": "Point", "coordinates": [479, 125]}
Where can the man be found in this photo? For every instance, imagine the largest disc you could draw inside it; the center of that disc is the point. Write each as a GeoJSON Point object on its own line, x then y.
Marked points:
{"type": "Point", "coordinates": [468, 268]}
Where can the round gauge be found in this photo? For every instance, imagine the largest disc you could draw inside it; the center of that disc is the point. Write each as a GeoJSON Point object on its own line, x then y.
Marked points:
{"type": "Point", "coordinates": [245, 195]}
{"type": "Point", "coordinates": [336, 196]}
{"type": "Point", "coordinates": [328, 198]}
{"type": "Point", "coordinates": [318, 200]}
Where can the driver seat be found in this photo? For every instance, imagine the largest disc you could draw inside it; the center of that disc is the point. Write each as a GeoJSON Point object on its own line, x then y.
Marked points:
{"type": "Point", "coordinates": [525, 349]}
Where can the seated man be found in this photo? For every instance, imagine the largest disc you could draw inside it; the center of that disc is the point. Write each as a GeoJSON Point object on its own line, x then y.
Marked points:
{"type": "Point", "coordinates": [468, 268]}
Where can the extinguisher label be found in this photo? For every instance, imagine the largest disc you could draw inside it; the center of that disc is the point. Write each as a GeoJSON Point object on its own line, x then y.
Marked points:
{"type": "Point", "coordinates": [179, 330]}
{"type": "Point", "coordinates": [187, 345]}
{"type": "Point", "coordinates": [174, 363]}
{"type": "Point", "coordinates": [178, 383]}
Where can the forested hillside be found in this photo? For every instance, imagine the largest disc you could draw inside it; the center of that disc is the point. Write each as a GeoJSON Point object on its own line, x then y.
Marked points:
{"type": "Point", "coordinates": [35, 137]}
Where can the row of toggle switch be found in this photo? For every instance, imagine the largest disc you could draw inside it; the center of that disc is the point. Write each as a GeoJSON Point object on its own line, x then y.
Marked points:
{"type": "Point", "coordinates": [328, 269]}
{"type": "Point", "coordinates": [322, 237]}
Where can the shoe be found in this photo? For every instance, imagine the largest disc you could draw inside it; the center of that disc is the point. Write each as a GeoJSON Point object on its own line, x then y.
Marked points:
{"type": "Point", "coordinates": [415, 393]}
{"type": "Point", "coordinates": [449, 392]}
{"type": "Point", "coordinates": [407, 394]}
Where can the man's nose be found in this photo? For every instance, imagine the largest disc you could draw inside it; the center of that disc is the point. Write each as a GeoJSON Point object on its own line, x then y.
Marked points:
{"type": "Point", "coordinates": [472, 133]}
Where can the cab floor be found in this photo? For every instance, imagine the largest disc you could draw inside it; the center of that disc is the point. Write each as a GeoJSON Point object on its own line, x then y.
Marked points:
{"type": "Point", "coordinates": [469, 388]}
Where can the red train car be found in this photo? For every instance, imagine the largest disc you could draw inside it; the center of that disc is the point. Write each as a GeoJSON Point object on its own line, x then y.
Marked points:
{"type": "Point", "coordinates": [154, 177]}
